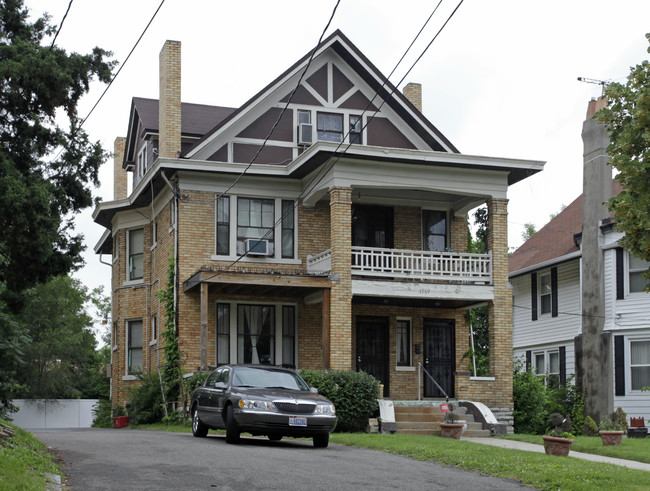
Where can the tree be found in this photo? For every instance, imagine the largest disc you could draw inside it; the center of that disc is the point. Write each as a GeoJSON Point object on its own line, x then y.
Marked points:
{"type": "Point", "coordinates": [628, 122]}
{"type": "Point", "coordinates": [61, 357]}
{"type": "Point", "coordinates": [478, 317]}
{"type": "Point", "coordinates": [39, 198]}
{"type": "Point", "coordinates": [529, 231]}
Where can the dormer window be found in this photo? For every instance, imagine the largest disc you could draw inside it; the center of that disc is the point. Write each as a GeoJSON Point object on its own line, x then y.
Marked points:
{"type": "Point", "coordinates": [142, 162]}
{"type": "Point", "coordinates": [330, 127]}
{"type": "Point", "coordinates": [355, 130]}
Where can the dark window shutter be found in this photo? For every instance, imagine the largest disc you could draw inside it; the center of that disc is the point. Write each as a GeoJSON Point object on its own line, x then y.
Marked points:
{"type": "Point", "coordinates": [529, 359]}
{"type": "Point", "coordinates": [620, 275]}
{"type": "Point", "coordinates": [553, 292]}
{"type": "Point", "coordinates": [619, 365]}
{"type": "Point", "coordinates": [562, 365]}
{"type": "Point", "coordinates": [533, 295]}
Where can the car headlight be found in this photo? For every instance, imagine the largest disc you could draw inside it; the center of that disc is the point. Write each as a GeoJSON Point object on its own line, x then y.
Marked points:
{"type": "Point", "coordinates": [325, 409]}
{"type": "Point", "coordinates": [256, 405]}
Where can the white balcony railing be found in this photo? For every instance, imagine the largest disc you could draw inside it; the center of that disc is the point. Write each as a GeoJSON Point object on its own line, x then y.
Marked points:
{"type": "Point", "coordinates": [421, 265]}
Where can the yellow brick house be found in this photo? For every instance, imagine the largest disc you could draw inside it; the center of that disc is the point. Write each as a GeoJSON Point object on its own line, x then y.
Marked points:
{"type": "Point", "coordinates": [323, 225]}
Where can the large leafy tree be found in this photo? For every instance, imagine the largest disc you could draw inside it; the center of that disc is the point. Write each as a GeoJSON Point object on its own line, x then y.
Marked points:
{"type": "Point", "coordinates": [47, 169]}
{"type": "Point", "coordinates": [628, 120]}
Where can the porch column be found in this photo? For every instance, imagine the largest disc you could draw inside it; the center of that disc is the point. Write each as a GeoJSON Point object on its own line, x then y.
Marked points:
{"type": "Point", "coordinates": [500, 310]}
{"type": "Point", "coordinates": [340, 347]}
{"type": "Point", "coordinates": [204, 326]}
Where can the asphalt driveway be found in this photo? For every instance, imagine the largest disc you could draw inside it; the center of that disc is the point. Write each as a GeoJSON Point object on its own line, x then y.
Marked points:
{"type": "Point", "coordinates": [139, 459]}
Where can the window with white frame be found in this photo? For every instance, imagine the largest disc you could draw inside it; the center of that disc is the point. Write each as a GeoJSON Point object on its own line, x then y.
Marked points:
{"type": "Point", "coordinates": [329, 127]}
{"type": "Point", "coordinates": [547, 365]}
{"type": "Point", "coordinates": [288, 229]}
{"type": "Point", "coordinates": [255, 220]}
{"type": "Point", "coordinates": [142, 161]}
{"type": "Point", "coordinates": [134, 347]}
{"type": "Point", "coordinates": [223, 225]}
{"type": "Point", "coordinates": [434, 230]}
{"type": "Point", "coordinates": [114, 335]}
{"type": "Point", "coordinates": [135, 253]}
{"type": "Point", "coordinates": [636, 267]}
{"type": "Point", "coordinates": [545, 293]}
{"type": "Point", "coordinates": [304, 117]}
{"type": "Point", "coordinates": [355, 129]}
{"type": "Point", "coordinates": [403, 342]}
{"type": "Point", "coordinates": [640, 364]}
{"type": "Point", "coordinates": [154, 329]}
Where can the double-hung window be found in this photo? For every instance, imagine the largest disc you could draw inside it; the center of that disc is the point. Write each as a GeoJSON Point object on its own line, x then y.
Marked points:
{"type": "Point", "coordinates": [640, 364]}
{"type": "Point", "coordinates": [434, 230]}
{"type": "Point", "coordinates": [403, 343]}
{"type": "Point", "coordinates": [330, 127]}
{"type": "Point", "coordinates": [255, 220]}
{"type": "Point", "coordinates": [142, 161]}
{"type": "Point", "coordinates": [223, 333]}
{"type": "Point", "coordinates": [355, 130]}
{"type": "Point", "coordinates": [545, 291]}
{"type": "Point", "coordinates": [134, 352]}
{"type": "Point", "coordinates": [256, 334]}
{"type": "Point", "coordinates": [547, 365]}
{"type": "Point", "coordinates": [136, 254]}
{"type": "Point", "coordinates": [223, 225]}
{"type": "Point", "coordinates": [636, 268]}
{"type": "Point", "coordinates": [287, 229]}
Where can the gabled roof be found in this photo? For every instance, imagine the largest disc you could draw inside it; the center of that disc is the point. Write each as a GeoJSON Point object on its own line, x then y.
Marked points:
{"type": "Point", "coordinates": [386, 91]}
{"type": "Point", "coordinates": [555, 240]}
{"type": "Point", "coordinates": [196, 120]}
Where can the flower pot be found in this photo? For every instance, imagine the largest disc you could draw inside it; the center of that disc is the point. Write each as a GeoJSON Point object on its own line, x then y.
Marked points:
{"type": "Point", "coordinates": [120, 421]}
{"type": "Point", "coordinates": [611, 437]}
{"type": "Point", "coordinates": [451, 430]}
{"type": "Point", "coordinates": [557, 446]}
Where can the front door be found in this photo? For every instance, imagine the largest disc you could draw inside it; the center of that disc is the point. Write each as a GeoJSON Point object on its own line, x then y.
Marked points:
{"type": "Point", "coordinates": [439, 356]}
{"type": "Point", "coordinates": [372, 348]}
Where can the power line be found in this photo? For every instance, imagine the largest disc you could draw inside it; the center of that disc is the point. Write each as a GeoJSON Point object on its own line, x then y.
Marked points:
{"type": "Point", "coordinates": [61, 24]}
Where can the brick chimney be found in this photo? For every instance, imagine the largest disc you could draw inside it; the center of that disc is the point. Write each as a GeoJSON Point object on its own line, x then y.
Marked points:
{"type": "Point", "coordinates": [413, 92]}
{"type": "Point", "coordinates": [169, 107]}
{"type": "Point", "coordinates": [119, 174]}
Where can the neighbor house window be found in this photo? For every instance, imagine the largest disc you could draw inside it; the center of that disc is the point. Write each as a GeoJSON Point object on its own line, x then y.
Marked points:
{"type": "Point", "coordinates": [636, 268]}
{"type": "Point", "coordinates": [223, 226]}
{"type": "Point", "coordinates": [403, 343]}
{"type": "Point", "coordinates": [355, 130]}
{"type": "Point", "coordinates": [547, 365]}
{"type": "Point", "coordinates": [330, 127]}
{"type": "Point", "coordinates": [256, 334]}
{"type": "Point", "coordinates": [287, 228]}
{"type": "Point", "coordinates": [223, 333]}
{"type": "Point", "coordinates": [545, 291]}
{"type": "Point", "coordinates": [134, 353]}
{"type": "Point", "coordinates": [289, 336]}
{"type": "Point", "coordinates": [255, 219]}
{"type": "Point", "coordinates": [136, 254]}
{"type": "Point", "coordinates": [540, 364]}
{"type": "Point", "coordinates": [434, 230]}
{"type": "Point", "coordinates": [640, 364]}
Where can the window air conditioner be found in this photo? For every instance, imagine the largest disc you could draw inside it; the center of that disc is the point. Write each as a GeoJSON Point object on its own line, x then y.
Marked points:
{"type": "Point", "coordinates": [257, 247]}
{"type": "Point", "coordinates": [305, 134]}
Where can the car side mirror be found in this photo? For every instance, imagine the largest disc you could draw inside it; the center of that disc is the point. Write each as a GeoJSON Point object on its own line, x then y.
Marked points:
{"type": "Point", "coordinates": [313, 389]}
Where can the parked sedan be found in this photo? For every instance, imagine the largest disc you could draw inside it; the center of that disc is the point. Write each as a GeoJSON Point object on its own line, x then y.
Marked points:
{"type": "Point", "coordinates": [261, 400]}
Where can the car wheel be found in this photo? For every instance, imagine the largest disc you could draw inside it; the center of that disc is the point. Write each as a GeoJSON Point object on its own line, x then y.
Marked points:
{"type": "Point", "coordinates": [232, 432]}
{"type": "Point", "coordinates": [321, 441]}
{"type": "Point", "coordinates": [274, 437]}
{"type": "Point", "coordinates": [199, 430]}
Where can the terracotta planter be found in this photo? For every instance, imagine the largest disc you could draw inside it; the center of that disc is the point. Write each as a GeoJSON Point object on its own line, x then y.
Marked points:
{"type": "Point", "coordinates": [451, 430]}
{"type": "Point", "coordinates": [557, 446]}
{"type": "Point", "coordinates": [611, 437]}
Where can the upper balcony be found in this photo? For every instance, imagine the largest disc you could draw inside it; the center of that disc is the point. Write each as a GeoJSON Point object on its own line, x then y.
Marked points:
{"type": "Point", "coordinates": [400, 264]}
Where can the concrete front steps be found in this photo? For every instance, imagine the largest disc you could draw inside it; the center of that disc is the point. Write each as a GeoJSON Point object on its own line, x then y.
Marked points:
{"type": "Point", "coordinates": [424, 418]}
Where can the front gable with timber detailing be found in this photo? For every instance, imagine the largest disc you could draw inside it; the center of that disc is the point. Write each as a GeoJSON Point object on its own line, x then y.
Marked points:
{"type": "Point", "coordinates": [341, 97]}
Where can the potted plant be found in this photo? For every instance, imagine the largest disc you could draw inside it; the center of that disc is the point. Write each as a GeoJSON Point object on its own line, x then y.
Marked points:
{"type": "Point", "coordinates": [610, 430]}
{"type": "Point", "coordinates": [452, 427]}
{"type": "Point", "coordinates": [559, 439]}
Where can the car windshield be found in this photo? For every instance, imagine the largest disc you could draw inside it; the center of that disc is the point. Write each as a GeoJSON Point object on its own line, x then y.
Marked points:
{"type": "Point", "coordinates": [261, 378]}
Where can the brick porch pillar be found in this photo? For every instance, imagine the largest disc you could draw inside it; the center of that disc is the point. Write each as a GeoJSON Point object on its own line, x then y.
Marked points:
{"type": "Point", "coordinates": [500, 310]}
{"type": "Point", "coordinates": [341, 292]}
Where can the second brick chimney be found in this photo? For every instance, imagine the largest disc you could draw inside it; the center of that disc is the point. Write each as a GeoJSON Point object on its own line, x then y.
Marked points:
{"type": "Point", "coordinates": [169, 106]}
{"type": "Point", "coordinates": [120, 180]}
{"type": "Point", "coordinates": [413, 92]}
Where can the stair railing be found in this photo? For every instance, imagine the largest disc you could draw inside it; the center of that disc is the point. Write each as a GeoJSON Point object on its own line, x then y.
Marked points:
{"type": "Point", "coordinates": [420, 368]}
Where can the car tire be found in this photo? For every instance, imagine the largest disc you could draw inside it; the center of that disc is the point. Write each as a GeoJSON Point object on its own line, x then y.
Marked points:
{"type": "Point", "coordinates": [274, 437]}
{"type": "Point", "coordinates": [232, 432]}
{"type": "Point", "coordinates": [199, 429]}
{"type": "Point", "coordinates": [321, 441]}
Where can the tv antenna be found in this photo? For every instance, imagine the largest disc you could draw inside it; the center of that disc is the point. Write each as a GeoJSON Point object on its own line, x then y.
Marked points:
{"type": "Point", "coordinates": [593, 81]}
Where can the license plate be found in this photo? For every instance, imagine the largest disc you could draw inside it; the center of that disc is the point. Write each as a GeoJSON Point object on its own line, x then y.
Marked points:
{"type": "Point", "coordinates": [297, 421]}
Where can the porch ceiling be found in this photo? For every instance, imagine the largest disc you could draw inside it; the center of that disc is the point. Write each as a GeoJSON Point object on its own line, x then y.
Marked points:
{"type": "Point", "coordinates": [257, 283]}
{"type": "Point", "coordinates": [419, 303]}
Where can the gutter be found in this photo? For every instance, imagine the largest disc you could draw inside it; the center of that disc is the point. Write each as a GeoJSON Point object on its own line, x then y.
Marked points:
{"type": "Point", "coordinates": [550, 262]}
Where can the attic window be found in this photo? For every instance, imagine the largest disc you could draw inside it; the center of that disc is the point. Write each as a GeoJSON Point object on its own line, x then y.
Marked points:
{"type": "Point", "coordinates": [330, 127]}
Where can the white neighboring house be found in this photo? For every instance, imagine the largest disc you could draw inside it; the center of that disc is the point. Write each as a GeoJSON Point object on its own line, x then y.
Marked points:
{"type": "Point", "coordinates": [547, 274]}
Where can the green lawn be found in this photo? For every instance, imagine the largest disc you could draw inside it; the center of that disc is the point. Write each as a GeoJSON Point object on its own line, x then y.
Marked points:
{"type": "Point", "coordinates": [24, 460]}
{"type": "Point", "coordinates": [630, 448]}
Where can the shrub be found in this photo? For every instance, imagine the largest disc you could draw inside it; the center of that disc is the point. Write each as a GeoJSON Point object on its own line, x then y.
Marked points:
{"type": "Point", "coordinates": [590, 427]}
{"type": "Point", "coordinates": [567, 399]}
{"type": "Point", "coordinates": [102, 417]}
{"type": "Point", "coordinates": [146, 404]}
{"type": "Point", "coordinates": [191, 383]}
{"type": "Point", "coordinates": [353, 393]}
{"type": "Point", "coordinates": [530, 399]}
{"type": "Point", "coordinates": [620, 417]}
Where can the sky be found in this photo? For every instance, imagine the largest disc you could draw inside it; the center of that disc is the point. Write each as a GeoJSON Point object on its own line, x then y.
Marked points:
{"type": "Point", "coordinates": [500, 79]}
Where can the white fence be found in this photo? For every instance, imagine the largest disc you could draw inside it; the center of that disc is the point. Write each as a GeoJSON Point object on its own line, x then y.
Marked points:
{"type": "Point", "coordinates": [57, 413]}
